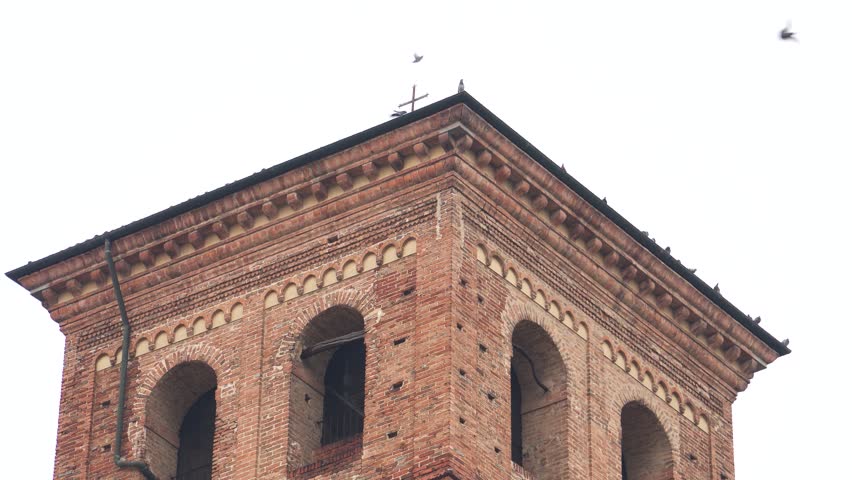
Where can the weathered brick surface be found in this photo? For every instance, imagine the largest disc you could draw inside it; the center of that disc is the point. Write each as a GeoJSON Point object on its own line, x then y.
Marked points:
{"type": "Point", "coordinates": [440, 323]}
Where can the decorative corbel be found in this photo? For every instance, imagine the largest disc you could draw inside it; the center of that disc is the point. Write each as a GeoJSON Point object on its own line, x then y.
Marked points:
{"type": "Point", "coordinates": [122, 267]}
{"type": "Point", "coordinates": [483, 159]}
{"type": "Point", "coordinates": [629, 273]}
{"type": "Point", "coordinates": [370, 171]}
{"type": "Point", "coordinates": [503, 173]}
{"type": "Point", "coordinates": [540, 201]}
{"type": "Point", "coordinates": [421, 150]}
{"type": "Point", "coordinates": [395, 161]}
{"type": "Point", "coordinates": [49, 296]}
{"type": "Point", "coordinates": [446, 141]}
{"type": "Point", "coordinates": [147, 258]}
{"type": "Point", "coordinates": [344, 180]}
{"type": "Point", "coordinates": [97, 276]}
{"type": "Point", "coordinates": [733, 353]}
{"type": "Point", "coordinates": [171, 248]}
{"type": "Point", "coordinates": [611, 258]}
{"type": "Point", "coordinates": [647, 286]}
{"type": "Point", "coordinates": [594, 245]}
{"type": "Point", "coordinates": [269, 209]}
{"type": "Point", "coordinates": [715, 340]}
{"type": "Point", "coordinates": [698, 327]}
{"type": "Point", "coordinates": [196, 239]}
{"type": "Point", "coordinates": [245, 219]}
{"type": "Point", "coordinates": [294, 200]}
{"type": "Point", "coordinates": [557, 217]}
{"type": "Point", "coordinates": [320, 191]}
{"type": "Point", "coordinates": [464, 144]}
{"type": "Point", "coordinates": [221, 230]}
{"type": "Point", "coordinates": [681, 313]}
{"type": "Point", "coordinates": [664, 300]}
{"type": "Point", "coordinates": [577, 231]}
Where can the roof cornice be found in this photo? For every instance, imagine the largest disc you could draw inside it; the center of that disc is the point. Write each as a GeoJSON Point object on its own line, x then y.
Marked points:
{"type": "Point", "coordinates": [590, 201]}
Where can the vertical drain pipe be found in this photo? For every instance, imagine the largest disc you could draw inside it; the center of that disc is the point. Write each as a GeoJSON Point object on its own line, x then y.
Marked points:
{"type": "Point", "coordinates": [120, 462]}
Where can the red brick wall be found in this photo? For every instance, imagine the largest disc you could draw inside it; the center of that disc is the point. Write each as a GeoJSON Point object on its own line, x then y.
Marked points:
{"type": "Point", "coordinates": [439, 321]}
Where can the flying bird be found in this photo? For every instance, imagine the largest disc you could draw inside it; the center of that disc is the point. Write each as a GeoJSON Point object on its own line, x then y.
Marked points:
{"type": "Point", "coordinates": [398, 113]}
{"type": "Point", "coordinates": [417, 58]}
{"type": "Point", "coordinates": [786, 34]}
{"type": "Point", "coordinates": [461, 85]}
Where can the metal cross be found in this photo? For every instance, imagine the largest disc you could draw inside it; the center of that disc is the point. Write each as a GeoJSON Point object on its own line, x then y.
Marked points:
{"type": "Point", "coordinates": [413, 98]}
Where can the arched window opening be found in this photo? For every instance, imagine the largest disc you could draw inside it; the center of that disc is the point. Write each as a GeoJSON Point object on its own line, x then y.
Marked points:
{"type": "Point", "coordinates": [539, 399]}
{"type": "Point", "coordinates": [343, 405]}
{"type": "Point", "coordinates": [180, 416]}
{"type": "Point", "coordinates": [195, 454]}
{"type": "Point", "coordinates": [517, 425]}
{"type": "Point", "coordinates": [327, 388]}
{"type": "Point", "coordinates": [646, 453]}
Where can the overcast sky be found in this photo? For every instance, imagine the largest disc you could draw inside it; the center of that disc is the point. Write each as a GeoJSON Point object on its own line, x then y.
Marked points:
{"type": "Point", "coordinates": [694, 120]}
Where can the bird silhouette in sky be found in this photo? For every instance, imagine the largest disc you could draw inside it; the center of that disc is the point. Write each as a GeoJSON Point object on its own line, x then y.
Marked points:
{"type": "Point", "coordinates": [786, 34]}
{"type": "Point", "coordinates": [417, 58]}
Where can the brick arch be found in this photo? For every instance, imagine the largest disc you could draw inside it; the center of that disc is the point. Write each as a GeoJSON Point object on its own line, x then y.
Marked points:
{"type": "Point", "coordinates": [195, 352]}
{"type": "Point", "coordinates": [360, 301]}
{"type": "Point", "coordinates": [516, 312]}
{"type": "Point", "coordinates": [543, 418]}
{"type": "Point", "coordinates": [226, 398]}
{"type": "Point", "coordinates": [667, 417]}
{"type": "Point", "coordinates": [304, 380]}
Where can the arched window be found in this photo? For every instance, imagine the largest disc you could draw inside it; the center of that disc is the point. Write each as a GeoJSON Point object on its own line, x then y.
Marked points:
{"type": "Point", "coordinates": [539, 392]}
{"type": "Point", "coordinates": [646, 453]}
{"type": "Point", "coordinates": [180, 417]}
{"type": "Point", "coordinates": [327, 387]}
{"type": "Point", "coordinates": [343, 404]}
{"type": "Point", "coordinates": [195, 454]}
{"type": "Point", "coordinates": [517, 424]}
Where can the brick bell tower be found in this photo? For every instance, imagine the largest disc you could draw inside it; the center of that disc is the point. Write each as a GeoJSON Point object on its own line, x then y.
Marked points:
{"type": "Point", "coordinates": [432, 298]}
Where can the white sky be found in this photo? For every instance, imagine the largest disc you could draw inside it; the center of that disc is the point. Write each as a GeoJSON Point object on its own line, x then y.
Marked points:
{"type": "Point", "coordinates": [692, 118]}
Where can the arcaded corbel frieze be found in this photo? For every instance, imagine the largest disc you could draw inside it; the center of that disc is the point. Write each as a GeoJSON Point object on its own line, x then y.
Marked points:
{"type": "Point", "coordinates": [610, 233]}
{"type": "Point", "coordinates": [414, 137]}
{"type": "Point", "coordinates": [639, 302]}
{"type": "Point", "coordinates": [71, 309]}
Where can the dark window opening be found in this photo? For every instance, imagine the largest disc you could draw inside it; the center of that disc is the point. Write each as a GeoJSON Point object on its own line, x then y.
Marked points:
{"type": "Point", "coordinates": [537, 409]}
{"type": "Point", "coordinates": [195, 454]}
{"type": "Point", "coordinates": [180, 415]}
{"type": "Point", "coordinates": [517, 425]}
{"type": "Point", "coordinates": [330, 369]}
{"type": "Point", "coordinates": [343, 404]}
{"type": "Point", "coordinates": [646, 453]}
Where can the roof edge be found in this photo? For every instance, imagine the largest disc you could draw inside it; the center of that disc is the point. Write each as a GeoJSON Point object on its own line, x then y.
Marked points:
{"type": "Point", "coordinates": [386, 127]}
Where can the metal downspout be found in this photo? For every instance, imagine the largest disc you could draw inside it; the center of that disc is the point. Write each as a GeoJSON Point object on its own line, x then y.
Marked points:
{"type": "Point", "coordinates": [120, 462]}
